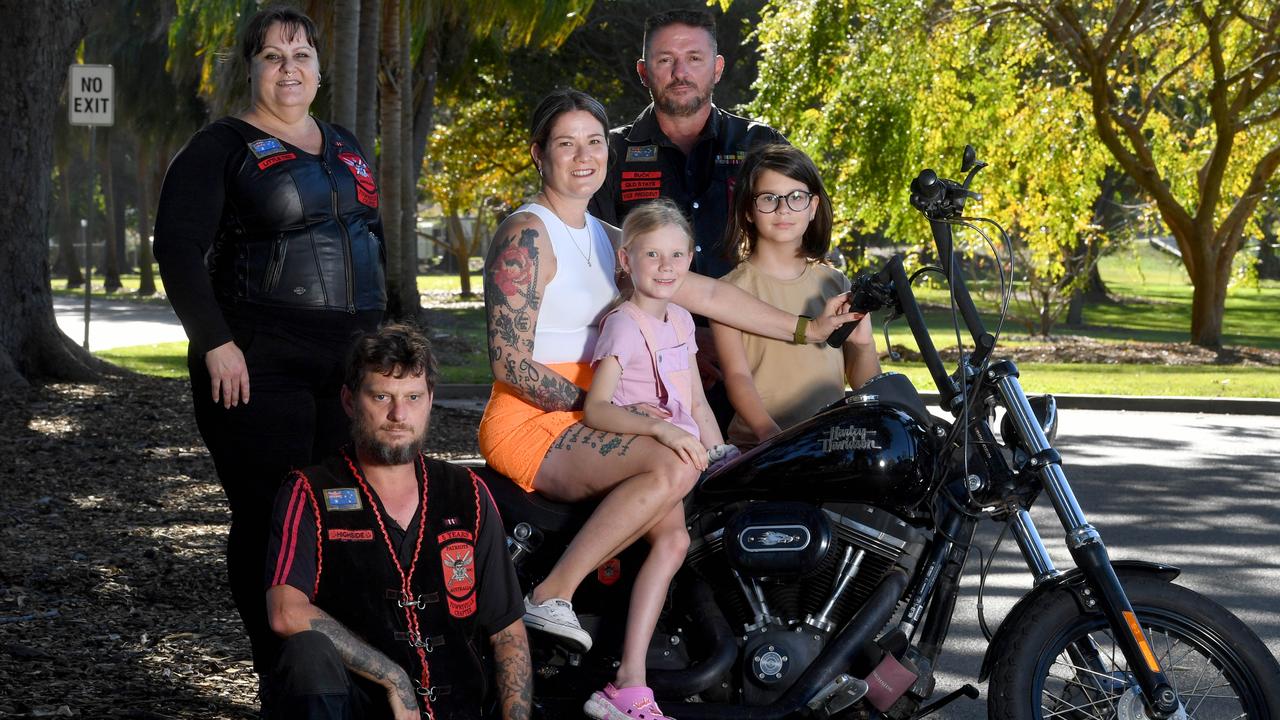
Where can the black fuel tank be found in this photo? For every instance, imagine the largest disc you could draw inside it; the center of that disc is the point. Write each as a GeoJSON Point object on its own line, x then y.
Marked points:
{"type": "Point", "coordinates": [861, 451]}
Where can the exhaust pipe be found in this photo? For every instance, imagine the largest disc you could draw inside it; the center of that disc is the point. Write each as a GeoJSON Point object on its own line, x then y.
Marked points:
{"type": "Point", "coordinates": [834, 659]}
{"type": "Point", "coordinates": [719, 636]}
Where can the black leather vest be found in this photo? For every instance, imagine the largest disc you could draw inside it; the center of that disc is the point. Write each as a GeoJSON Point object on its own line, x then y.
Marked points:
{"type": "Point", "coordinates": [421, 616]}
{"type": "Point", "coordinates": [297, 228]}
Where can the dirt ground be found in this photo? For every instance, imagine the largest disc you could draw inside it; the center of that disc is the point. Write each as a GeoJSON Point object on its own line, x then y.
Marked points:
{"type": "Point", "coordinates": [113, 597]}
{"type": "Point", "coordinates": [113, 602]}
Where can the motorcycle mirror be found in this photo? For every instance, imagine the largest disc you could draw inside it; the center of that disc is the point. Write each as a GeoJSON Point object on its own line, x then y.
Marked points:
{"type": "Point", "coordinates": [970, 157]}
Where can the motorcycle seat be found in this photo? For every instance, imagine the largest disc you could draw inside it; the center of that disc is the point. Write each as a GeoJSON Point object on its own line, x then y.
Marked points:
{"type": "Point", "coordinates": [517, 505]}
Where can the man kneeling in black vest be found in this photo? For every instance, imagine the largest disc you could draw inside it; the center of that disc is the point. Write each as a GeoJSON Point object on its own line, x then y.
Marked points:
{"type": "Point", "coordinates": [387, 570]}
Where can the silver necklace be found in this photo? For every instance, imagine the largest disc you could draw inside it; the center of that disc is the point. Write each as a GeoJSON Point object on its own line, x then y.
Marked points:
{"type": "Point", "coordinates": [572, 239]}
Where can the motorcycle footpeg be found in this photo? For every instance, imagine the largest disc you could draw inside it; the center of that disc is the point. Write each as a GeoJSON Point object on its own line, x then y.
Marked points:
{"type": "Point", "coordinates": [838, 695]}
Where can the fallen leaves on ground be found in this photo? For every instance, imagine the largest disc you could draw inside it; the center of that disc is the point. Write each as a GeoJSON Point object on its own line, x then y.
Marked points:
{"type": "Point", "coordinates": [113, 595]}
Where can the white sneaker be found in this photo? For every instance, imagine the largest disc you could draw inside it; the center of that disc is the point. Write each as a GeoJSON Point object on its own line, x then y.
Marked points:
{"type": "Point", "coordinates": [556, 617]}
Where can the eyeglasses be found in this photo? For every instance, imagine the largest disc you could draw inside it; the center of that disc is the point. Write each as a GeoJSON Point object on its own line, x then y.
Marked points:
{"type": "Point", "coordinates": [797, 200]}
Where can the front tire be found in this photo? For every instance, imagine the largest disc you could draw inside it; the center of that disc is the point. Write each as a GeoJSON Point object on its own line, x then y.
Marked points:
{"type": "Point", "coordinates": [1218, 666]}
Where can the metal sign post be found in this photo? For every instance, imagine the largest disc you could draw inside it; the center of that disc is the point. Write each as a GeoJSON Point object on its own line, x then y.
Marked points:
{"type": "Point", "coordinates": [91, 102]}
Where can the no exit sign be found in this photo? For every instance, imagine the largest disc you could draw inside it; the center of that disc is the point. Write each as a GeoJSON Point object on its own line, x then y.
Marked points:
{"type": "Point", "coordinates": [89, 95]}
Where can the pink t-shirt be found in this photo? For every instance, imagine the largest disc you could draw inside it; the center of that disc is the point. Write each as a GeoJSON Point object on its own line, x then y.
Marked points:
{"type": "Point", "coordinates": [660, 371]}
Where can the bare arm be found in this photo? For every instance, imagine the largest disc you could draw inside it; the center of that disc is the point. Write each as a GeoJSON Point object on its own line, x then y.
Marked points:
{"type": "Point", "coordinates": [514, 673]}
{"type": "Point", "coordinates": [517, 270]}
{"type": "Point", "coordinates": [290, 612]}
{"type": "Point", "coordinates": [740, 385]}
{"type": "Point", "coordinates": [861, 361]}
{"type": "Point", "coordinates": [600, 413]}
{"type": "Point", "coordinates": [736, 307]}
{"type": "Point", "coordinates": [708, 428]}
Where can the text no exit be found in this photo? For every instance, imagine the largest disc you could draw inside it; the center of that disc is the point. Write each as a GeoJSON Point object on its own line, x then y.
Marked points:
{"type": "Point", "coordinates": [89, 95]}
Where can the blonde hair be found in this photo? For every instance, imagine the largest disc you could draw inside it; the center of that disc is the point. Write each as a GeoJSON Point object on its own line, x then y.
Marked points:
{"type": "Point", "coordinates": [646, 218]}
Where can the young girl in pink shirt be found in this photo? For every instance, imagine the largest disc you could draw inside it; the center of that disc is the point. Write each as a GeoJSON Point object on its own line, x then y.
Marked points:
{"type": "Point", "coordinates": [646, 383]}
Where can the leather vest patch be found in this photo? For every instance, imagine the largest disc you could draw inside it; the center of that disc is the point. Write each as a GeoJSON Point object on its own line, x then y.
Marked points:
{"type": "Point", "coordinates": [458, 563]}
{"type": "Point", "coordinates": [366, 189]}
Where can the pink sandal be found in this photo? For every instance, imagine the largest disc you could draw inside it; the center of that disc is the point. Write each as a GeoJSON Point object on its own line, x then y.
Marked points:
{"type": "Point", "coordinates": [633, 703]}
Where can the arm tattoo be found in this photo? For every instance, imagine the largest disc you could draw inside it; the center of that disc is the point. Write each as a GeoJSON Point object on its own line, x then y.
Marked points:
{"type": "Point", "coordinates": [512, 301]}
{"type": "Point", "coordinates": [362, 659]}
{"type": "Point", "coordinates": [514, 674]}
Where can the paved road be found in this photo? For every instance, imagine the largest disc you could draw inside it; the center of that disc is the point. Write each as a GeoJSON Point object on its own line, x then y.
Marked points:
{"type": "Point", "coordinates": [1201, 492]}
{"type": "Point", "coordinates": [116, 323]}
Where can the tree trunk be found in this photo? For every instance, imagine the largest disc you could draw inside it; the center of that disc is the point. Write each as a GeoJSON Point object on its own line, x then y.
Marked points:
{"type": "Point", "coordinates": [31, 345]}
{"type": "Point", "coordinates": [410, 300]}
{"type": "Point", "coordinates": [1268, 258]}
{"type": "Point", "coordinates": [366, 125]}
{"type": "Point", "coordinates": [110, 266]}
{"type": "Point", "coordinates": [344, 70]}
{"type": "Point", "coordinates": [119, 203]}
{"type": "Point", "coordinates": [146, 271]}
{"type": "Point", "coordinates": [460, 249]}
{"type": "Point", "coordinates": [1208, 301]}
{"type": "Point", "coordinates": [67, 225]}
{"type": "Point", "coordinates": [391, 163]}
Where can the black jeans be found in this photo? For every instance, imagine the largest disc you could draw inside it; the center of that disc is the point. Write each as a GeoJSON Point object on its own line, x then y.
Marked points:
{"type": "Point", "coordinates": [293, 419]}
{"type": "Point", "coordinates": [310, 682]}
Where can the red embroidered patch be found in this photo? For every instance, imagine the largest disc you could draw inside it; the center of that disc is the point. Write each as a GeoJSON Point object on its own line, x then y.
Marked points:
{"type": "Point", "coordinates": [366, 188]}
{"type": "Point", "coordinates": [275, 159]}
{"type": "Point", "coordinates": [340, 534]}
{"type": "Point", "coordinates": [637, 184]}
{"type": "Point", "coordinates": [641, 175]}
{"type": "Point", "coordinates": [610, 572]}
{"type": "Point", "coordinates": [458, 563]}
{"type": "Point", "coordinates": [630, 195]}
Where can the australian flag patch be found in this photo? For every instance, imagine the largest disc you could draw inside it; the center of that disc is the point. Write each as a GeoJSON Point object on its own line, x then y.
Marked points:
{"type": "Point", "coordinates": [642, 153]}
{"type": "Point", "coordinates": [342, 499]}
{"type": "Point", "coordinates": [265, 146]}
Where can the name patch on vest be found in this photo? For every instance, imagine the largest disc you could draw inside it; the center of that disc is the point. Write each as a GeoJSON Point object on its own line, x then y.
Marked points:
{"type": "Point", "coordinates": [339, 499]}
{"type": "Point", "coordinates": [265, 146]}
{"type": "Point", "coordinates": [458, 563]}
{"type": "Point", "coordinates": [343, 534]}
{"type": "Point", "coordinates": [276, 159]}
{"type": "Point", "coordinates": [642, 153]}
{"type": "Point", "coordinates": [641, 185]}
{"type": "Point", "coordinates": [366, 188]}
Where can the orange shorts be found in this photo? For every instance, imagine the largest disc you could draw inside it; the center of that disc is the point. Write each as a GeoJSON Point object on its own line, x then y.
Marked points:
{"type": "Point", "coordinates": [515, 435]}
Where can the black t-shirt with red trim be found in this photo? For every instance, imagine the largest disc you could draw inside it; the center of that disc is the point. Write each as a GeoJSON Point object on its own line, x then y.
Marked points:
{"type": "Point", "coordinates": [291, 555]}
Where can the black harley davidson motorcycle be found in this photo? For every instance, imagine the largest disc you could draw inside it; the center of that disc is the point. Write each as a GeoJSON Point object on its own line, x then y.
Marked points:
{"type": "Point", "coordinates": [825, 563]}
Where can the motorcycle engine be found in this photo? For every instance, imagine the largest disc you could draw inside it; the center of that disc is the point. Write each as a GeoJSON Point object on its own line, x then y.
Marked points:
{"type": "Point", "coordinates": [789, 574]}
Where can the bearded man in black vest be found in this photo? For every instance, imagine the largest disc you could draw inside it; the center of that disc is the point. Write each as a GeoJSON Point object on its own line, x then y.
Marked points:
{"type": "Point", "coordinates": [387, 572]}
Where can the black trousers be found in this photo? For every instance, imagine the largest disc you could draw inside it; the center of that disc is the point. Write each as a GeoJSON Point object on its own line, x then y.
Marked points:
{"type": "Point", "coordinates": [310, 682]}
{"type": "Point", "coordinates": [294, 418]}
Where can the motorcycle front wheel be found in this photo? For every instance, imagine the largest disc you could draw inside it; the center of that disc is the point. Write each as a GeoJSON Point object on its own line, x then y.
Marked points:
{"type": "Point", "coordinates": [1061, 663]}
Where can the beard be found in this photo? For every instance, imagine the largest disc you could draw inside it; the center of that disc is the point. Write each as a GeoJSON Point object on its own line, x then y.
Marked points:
{"type": "Point", "coordinates": [669, 105]}
{"type": "Point", "coordinates": [368, 446]}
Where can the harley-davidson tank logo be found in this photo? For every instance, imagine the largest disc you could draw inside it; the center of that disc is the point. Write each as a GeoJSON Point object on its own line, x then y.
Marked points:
{"type": "Point", "coordinates": [850, 438]}
{"type": "Point", "coordinates": [457, 560]}
{"type": "Point", "coordinates": [774, 538]}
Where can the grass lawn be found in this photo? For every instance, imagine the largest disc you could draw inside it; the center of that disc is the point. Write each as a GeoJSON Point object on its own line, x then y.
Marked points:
{"type": "Point", "coordinates": [1153, 305]}
{"type": "Point", "coordinates": [162, 359]}
{"type": "Point", "coordinates": [128, 292]}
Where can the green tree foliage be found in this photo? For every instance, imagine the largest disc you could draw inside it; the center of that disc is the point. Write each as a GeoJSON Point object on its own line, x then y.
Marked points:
{"type": "Point", "coordinates": [875, 91]}
{"type": "Point", "coordinates": [477, 166]}
{"type": "Point", "coordinates": [1181, 97]}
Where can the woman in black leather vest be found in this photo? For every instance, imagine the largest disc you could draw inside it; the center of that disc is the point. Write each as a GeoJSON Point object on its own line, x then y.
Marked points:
{"type": "Point", "coordinates": [268, 240]}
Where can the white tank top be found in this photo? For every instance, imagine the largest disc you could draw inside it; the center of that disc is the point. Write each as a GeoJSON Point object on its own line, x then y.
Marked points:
{"type": "Point", "coordinates": [580, 293]}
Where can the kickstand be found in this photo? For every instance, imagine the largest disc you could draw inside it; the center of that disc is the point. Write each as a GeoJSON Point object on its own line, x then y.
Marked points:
{"type": "Point", "coordinates": [968, 691]}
